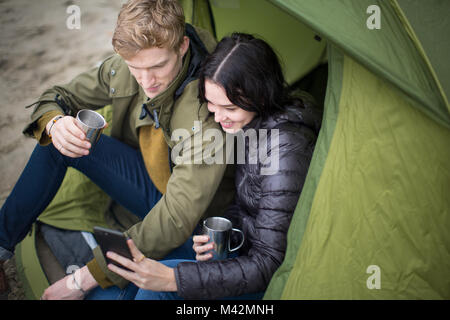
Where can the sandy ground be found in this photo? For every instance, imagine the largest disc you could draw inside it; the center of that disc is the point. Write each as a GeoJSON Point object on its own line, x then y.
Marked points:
{"type": "Point", "coordinates": [37, 51]}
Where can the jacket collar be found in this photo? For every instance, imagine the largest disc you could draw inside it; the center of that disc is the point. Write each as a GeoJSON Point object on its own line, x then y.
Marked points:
{"type": "Point", "coordinates": [199, 53]}
{"type": "Point", "coordinates": [305, 114]}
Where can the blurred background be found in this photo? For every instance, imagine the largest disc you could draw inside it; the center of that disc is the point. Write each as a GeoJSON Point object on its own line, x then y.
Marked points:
{"type": "Point", "coordinates": [40, 46]}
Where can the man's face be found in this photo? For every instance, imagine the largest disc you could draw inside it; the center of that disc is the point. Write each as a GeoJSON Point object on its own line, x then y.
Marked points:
{"type": "Point", "coordinates": [155, 68]}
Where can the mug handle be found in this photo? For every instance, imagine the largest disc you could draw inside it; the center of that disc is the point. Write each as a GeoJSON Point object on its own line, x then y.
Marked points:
{"type": "Point", "coordinates": [240, 245]}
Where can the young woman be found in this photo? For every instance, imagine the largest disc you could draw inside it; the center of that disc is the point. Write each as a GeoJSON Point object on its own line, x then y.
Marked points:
{"type": "Point", "coordinates": [243, 84]}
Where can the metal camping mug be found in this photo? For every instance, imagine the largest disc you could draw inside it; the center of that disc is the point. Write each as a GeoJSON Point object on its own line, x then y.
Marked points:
{"type": "Point", "coordinates": [92, 123]}
{"type": "Point", "coordinates": [219, 231]}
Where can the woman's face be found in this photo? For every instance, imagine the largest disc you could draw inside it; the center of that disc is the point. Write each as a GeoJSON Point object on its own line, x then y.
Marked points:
{"type": "Point", "coordinates": [231, 117]}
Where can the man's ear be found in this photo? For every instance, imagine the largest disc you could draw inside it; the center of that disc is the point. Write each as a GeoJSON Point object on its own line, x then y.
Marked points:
{"type": "Point", "coordinates": [184, 46]}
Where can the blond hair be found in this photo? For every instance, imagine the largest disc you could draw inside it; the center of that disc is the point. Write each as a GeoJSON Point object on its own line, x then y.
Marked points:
{"type": "Point", "coordinates": [144, 24]}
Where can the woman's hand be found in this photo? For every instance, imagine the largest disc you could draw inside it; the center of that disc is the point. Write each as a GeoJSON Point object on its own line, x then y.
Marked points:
{"type": "Point", "coordinates": [68, 138]}
{"type": "Point", "coordinates": [201, 249]}
{"type": "Point", "coordinates": [67, 289]}
{"type": "Point", "coordinates": [146, 273]}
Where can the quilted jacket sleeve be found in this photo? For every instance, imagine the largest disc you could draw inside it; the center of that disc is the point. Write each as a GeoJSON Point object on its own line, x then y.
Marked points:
{"type": "Point", "coordinates": [265, 233]}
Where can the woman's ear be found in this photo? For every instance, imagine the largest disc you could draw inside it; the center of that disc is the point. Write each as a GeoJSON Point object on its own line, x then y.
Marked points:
{"type": "Point", "coordinates": [184, 46]}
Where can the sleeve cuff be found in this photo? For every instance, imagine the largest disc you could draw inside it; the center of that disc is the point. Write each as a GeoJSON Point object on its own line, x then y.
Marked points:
{"type": "Point", "coordinates": [102, 274]}
{"type": "Point", "coordinates": [39, 131]}
{"type": "Point", "coordinates": [98, 274]}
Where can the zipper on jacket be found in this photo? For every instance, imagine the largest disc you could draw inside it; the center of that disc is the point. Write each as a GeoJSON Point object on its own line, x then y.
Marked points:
{"type": "Point", "coordinates": [170, 160]}
{"type": "Point", "coordinates": [145, 112]}
{"type": "Point", "coordinates": [155, 115]}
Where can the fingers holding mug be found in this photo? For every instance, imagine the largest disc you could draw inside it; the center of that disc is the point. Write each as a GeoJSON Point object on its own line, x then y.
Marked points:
{"type": "Point", "coordinates": [67, 149]}
{"type": "Point", "coordinates": [200, 240]}
{"type": "Point", "coordinates": [65, 139]}
{"type": "Point", "coordinates": [202, 248]}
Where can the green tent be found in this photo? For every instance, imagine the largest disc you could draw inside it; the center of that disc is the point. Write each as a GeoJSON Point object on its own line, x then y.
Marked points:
{"type": "Point", "coordinates": [373, 218]}
{"type": "Point", "coordinates": [372, 221]}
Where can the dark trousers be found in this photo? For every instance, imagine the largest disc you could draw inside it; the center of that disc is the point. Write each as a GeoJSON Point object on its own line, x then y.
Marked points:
{"type": "Point", "coordinates": [114, 166]}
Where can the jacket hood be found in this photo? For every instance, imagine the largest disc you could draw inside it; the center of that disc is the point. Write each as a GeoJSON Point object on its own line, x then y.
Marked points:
{"type": "Point", "coordinates": [198, 54]}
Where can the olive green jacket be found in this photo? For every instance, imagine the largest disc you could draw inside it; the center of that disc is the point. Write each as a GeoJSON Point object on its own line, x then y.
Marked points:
{"type": "Point", "coordinates": [193, 190]}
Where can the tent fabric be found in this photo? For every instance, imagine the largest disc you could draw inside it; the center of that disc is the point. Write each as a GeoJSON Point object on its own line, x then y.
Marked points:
{"type": "Point", "coordinates": [294, 42]}
{"type": "Point", "coordinates": [389, 52]}
{"type": "Point", "coordinates": [29, 268]}
{"type": "Point", "coordinates": [382, 199]}
{"type": "Point", "coordinates": [431, 28]}
{"type": "Point", "coordinates": [376, 192]}
{"type": "Point", "coordinates": [301, 215]}
{"type": "Point", "coordinates": [198, 13]}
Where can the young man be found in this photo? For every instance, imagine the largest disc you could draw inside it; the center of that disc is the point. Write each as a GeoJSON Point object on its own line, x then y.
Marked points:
{"type": "Point", "coordinates": [152, 87]}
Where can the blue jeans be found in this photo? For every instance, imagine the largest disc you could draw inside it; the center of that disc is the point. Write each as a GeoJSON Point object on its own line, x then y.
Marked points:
{"type": "Point", "coordinates": [114, 166]}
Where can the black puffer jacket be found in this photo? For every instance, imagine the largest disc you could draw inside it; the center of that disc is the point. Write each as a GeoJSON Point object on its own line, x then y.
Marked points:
{"type": "Point", "coordinates": [263, 209]}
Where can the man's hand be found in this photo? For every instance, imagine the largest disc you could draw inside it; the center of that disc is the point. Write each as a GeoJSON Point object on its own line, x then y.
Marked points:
{"type": "Point", "coordinates": [68, 138]}
{"type": "Point", "coordinates": [67, 289]}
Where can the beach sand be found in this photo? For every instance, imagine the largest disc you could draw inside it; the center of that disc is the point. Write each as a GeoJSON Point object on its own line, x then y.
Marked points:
{"type": "Point", "coordinates": [40, 47]}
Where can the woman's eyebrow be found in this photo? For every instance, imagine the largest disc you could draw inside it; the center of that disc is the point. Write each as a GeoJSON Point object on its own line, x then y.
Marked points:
{"type": "Point", "coordinates": [220, 105]}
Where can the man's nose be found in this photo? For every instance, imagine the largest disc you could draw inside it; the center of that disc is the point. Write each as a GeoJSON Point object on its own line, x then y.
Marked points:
{"type": "Point", "coordinates": [147, 78]}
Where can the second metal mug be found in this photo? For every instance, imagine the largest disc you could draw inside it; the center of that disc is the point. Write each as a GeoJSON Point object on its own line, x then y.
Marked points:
{"type": "Point", "coordinates": [92, 123]}
{"type": "Point", "coordinates": [219, 231]}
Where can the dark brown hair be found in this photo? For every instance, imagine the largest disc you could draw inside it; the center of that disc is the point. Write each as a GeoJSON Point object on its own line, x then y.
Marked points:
{"type": "Point", "coordinates": [249, 71]}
